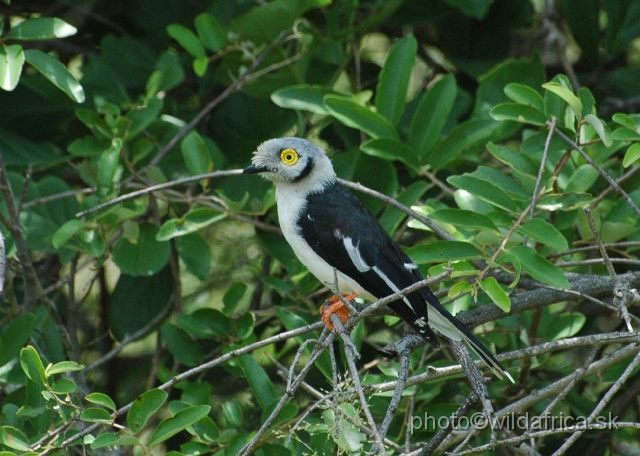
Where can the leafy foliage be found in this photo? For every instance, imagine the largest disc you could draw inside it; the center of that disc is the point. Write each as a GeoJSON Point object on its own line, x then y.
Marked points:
{"type": "Point", "coordinates": [149, 301]}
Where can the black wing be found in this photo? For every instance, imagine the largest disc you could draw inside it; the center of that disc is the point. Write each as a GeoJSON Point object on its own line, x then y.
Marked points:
{"type": "Point", "coordinates": [343, 232]}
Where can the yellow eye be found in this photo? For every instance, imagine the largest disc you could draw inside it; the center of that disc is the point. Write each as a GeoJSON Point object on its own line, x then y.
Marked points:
{"type": "Point", "coordinates": [289, 157]}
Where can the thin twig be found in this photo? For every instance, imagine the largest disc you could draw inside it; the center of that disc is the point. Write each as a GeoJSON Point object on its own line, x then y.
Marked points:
{"type": "Point", "coordinates": [155, 188]}
{"type": "Point", "coordinates": [403, 374]}
{"type": "Point", "coordinates": [603, 250]}
{"type": "Point", "coordinates": [197, 370]}
{"type": "Point", "coordinates": [351, 354]}
{"type": "Point", "coordinates": [601, 405]}
{"type": "Point", "coordinates": [477, 382]}
{"type": "Point", "coordinates": [233, 87]}
{"type": "Point", "coordinates": [32, 287]}
{"type": "Point", "coordinates": [293, 385]}
{"type": "Point", "coordinates": [543, 164]}
{"type": "Point", "coordinates": [552, 389]}
{"type": "Point", "coordinates": [602, 172]}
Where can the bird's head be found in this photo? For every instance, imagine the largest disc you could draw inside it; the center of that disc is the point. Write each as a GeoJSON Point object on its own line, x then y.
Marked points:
{"type": "Point", "coordinates": [290, 161]}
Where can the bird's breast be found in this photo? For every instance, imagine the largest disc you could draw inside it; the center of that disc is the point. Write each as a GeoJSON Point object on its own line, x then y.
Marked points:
{"type": "Point", "coordinates": [290, 208]}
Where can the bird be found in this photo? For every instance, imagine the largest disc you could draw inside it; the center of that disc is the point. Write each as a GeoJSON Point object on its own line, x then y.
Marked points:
{"type": "Point", "coordinates": [334, 235]}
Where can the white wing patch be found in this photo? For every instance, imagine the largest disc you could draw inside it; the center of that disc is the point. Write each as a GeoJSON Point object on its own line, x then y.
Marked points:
{"type": "Point", "coordinates": [410, 266]}
{"type": "Point", "coordinates": [392, 285]}
{"type": "Point", "coordinates": [354, 254]}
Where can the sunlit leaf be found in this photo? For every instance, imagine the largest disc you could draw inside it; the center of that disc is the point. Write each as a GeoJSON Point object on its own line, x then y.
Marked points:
{"type": "Point", "coordinates": [497, 294]}
{"type": "Point", "coordinates": [55, 72]}
{"type": "Point", "coordinates": [32, 365]}
{"type": "Point", "coordinates": [41, 28]}
{"type": "Point", "coordinates": [11, 60]}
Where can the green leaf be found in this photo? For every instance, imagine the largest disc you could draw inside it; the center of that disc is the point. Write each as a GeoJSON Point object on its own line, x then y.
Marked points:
{"type": "Point", "coordinates": [88, 146]}
{"type": "Point", "coordinates": [566, 94]}
{"type": "Point", "coordinates": [232, 413]}
{"type": "Point", "coordinates": [63, 366]}
{"type": "Point", "coordinates": [485, 191]}
{"type": "Point", "coordinates": [563, 326]}
{"type": "Point", "coordinates": [391, 93]}
{"type": "Point", "coordinates": [101, 399]}
{"type": "Point", "coordinates": [196, 254]}
{"type": "Point", "coordinates": [96, 415]}
{"type": "Point", "coordinates": [144, 407]}
{"type": "Point", "coordinates": [211, 33]}
{"type": "Point", "coordinates": [443, 251]}
{"type": "Point", "coordinates": [206, 429]}
{"type": "Point", "coordinates": [55, 72]}
{"type": "Point", "coordinates": [497, 294]}
{"type": "Point", "coordinates": [464, 219]}
{"type": "Point", "coordinates": [260, 383]}
{"type": "Point", "coordinates": [601, 129]}
{"type": "Point", "coordinates": [112, 440]}
{"type": "Point", "coordinates": [624, 134]}
{"type": "Point", "coordinates": [587, 100]}
{"type": "Point", "coordinates": [431, 115]}
{"type": "Point", "coordinates": [11, 61]}
{"type": "Point", "coordinates": [143, 115]}
{"type": "Point", "coordinates": [41, 28]}
{"type": "Point", "coordinates": [168, 74]}
{"type": "Point", "coordinates": [263, 23]}
{"type": "Point", "coordinates": [195, 154]}
{"type": "Point", "coordinates": [232, 297]}
{"type": "Point", "coordinates": [192, 221]}
{"type": "Point", "coordinates": [518, 112]}
{"type": "Point", "coordinates": [171, 426]}
{"type": "Point", "coordinates": [625, 120]}
{"type": "Point", "coordinates": [354, 115]}
{"type": "Point", "coordinates": [16, 334]}
{"type": "Point", "coordinates": [465, 136]}
{"type": "Point", "coordinates": [14, 438]}
{"type": "Point", "coordinates": [108, 168]}
{"type": "Point", "coordinates": [181, 345]}
{"type": "Point", "coordinates": [539, 267]}
{"type": "Point", "coordinates": [66, 232]}
{"type": "Point", "coordinates": [200, 65]}
{"type": "Point", "coordinates": [392, 217]}
{"type": "Point", "coordinates": [631, 155]}
{"type": "Point", "coordinates": [206, 323]}
{"type": "Point", "coordinates": [63, 386]}
{"type": "Point", "coordinates": [32, 365]}
{"type": "Point", "coordinates": [187, 39]}
{"type": "Point", "coordinates": [514, 159]}
{"type": "Point", "coordinates": [582, 179]}
{"type": "Point", "coordinates": [542, 231]}
{"type": "Point", "coordinates": [524, 94]}
{"type": "Point", "coordinates": [303, 97]}
{"type": "Point", "coordinates": [391, 149]}
{"type": "Point", "coordinates": [145, 257]}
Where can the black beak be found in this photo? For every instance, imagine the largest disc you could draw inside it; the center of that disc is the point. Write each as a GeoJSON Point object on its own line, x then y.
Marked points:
{"type": "Point", "coordinates": [253, 169]}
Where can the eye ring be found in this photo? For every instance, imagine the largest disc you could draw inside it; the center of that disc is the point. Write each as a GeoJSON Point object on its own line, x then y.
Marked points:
{"type": "Point", "coordinates": [289, 157]}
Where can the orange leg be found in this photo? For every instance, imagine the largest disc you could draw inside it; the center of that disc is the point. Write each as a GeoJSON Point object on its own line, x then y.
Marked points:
{"type": "Point", "coordinates": [334, 305]}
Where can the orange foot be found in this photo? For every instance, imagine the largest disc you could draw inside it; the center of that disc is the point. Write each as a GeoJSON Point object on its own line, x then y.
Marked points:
{"type": "Point", "coordinates": [333, 305]}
